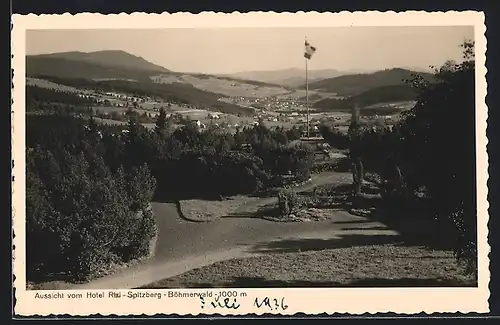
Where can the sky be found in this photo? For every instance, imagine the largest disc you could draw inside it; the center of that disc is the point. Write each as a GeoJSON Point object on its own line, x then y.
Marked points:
{"type": "Point", "coordinates": [230, 50]}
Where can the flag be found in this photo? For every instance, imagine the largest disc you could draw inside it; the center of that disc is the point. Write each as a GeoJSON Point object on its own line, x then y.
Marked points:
{"type": "Point", "coordinates": [309, 50]}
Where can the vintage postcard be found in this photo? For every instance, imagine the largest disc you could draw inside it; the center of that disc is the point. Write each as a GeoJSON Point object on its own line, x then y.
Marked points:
{"type": "Point", "coordinates": [250, 163]}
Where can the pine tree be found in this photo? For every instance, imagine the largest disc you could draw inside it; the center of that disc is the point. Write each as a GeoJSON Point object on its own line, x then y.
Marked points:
{"type": "Point", "coordinates": [132, 127]}
{"type": "Point", "coordinates": [161, 122]}
{"type": "Point", "coordinates": [354, 137]}
{"type": "Point", "coordinates": [132, 143]}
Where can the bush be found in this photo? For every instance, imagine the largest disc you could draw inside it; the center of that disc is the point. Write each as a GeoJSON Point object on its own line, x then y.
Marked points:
{"type": "Point", "coordinates": [140, 187]}
{"type": "Point", "coordinates": [141, 237]}
{"type": "Point", "coordinates": [466, 243]}
{"type": "Point", "coordinates": [294, 159]}
{"type": "Point", "coordinates": [79, 218]}
{"type": "Point", "coordinates": [334, 137]}
{"type": "Point", "coordinates": [288, 202]}
{"type": "Point", "coordinates": [213, 163]}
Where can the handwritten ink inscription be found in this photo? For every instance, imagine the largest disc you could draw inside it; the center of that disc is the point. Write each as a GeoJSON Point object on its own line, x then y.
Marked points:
{"type": "Point", "coordinates": [224, 299]}
{"type": "Point", "coordinates": [271, 303]}
{"type": "Point", "coordinates": [229, 300]}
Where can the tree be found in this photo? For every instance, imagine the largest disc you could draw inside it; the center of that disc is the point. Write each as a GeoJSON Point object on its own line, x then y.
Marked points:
{"type": "Point", "coordinates": [439, 141]}
{"type": "Point", "coordinates": [135, 142]}
{"type": "Point", "coordinates": [354, 150]}
{"type": "Point", "coordinates": [161, 122]}
{"type": "Point", "coordinates": [141, 187]}
{"type": "Point", "coordinates": [239, 138]}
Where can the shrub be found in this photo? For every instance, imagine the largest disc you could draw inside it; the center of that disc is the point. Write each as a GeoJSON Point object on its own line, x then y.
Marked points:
{"type": "Point", "coordinates": [465, 241]}
{"type": "Point", "coordinates": [320, 192]}
{"type": "Point", "coordinates": [287, 202]}
{"type": "Point", "coordinates": [79, 212]}
{"type": "Point", "coordinates": [141, 237]}
{"type": "Point", "coordinates": [140, 187]}
{"type": "Point", "coordinates": [334, 137]}
{"type": "Point", "coordinates": [296, 159]}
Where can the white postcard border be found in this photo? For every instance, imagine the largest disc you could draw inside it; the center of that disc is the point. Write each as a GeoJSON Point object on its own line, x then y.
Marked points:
{"type": "Point", "coordinates": [297, 300]}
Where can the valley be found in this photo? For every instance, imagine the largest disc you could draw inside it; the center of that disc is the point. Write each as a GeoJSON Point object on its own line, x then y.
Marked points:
{"type": "Point", "coordinates": [116, 82]}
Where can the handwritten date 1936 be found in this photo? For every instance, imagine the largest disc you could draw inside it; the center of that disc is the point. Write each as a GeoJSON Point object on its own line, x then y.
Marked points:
{"type": "Point", "coordinates": [271, 303]}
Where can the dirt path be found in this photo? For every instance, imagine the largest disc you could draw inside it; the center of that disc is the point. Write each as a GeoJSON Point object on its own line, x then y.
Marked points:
{"type": "Point", "coordinates": [184, 245]}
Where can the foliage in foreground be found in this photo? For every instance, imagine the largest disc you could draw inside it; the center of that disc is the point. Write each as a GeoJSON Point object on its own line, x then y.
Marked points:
{"type": "Point", "coordinates": [431, 151]}
{"type": "Point", "coordinates": [89, 185]}
{"type": "Point", "coordinates": [288, 202]}
{"type": "Point", "coordinates": [81, 217]}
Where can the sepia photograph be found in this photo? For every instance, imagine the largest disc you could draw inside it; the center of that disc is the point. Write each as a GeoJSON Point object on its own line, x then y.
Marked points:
{"type": "Point", "coordinates": [251, 157]}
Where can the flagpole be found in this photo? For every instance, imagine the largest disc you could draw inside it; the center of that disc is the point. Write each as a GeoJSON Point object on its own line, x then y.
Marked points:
{"type": "Point", "coordinates": [307, 101]}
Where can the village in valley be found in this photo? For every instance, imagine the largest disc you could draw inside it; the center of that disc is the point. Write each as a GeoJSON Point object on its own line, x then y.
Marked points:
{"type": "Point", "coordinates": [283, 108]}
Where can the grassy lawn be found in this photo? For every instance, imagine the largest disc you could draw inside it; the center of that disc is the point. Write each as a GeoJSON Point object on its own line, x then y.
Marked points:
{"type": "Point", "coordinates": [365, 266]}
{"type": "Point", "coordinates": [199, 210]}
{"type": "Point", "coordinates": [205, 210]}
{"type": "Point", "coordinates": [415, 257]}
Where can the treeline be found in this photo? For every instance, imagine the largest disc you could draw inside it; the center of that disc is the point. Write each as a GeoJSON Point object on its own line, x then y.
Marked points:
{"type": "Point", "coordinates": [44, 99]}
{"type": "Point", "coordinates": [385, 94]}
{"type": "Point", "coordinates": [211, 163]}
{"type": "Point", "coordinates": [430, 152]}
{"type": "Point", "coordinates": [89, 185]}
{"type": "Point", "coordinates": [235, 79]}
{"type": "Point", "coordinates": [174, 93]}
{"type": "Point", "coordinates": [143, 118]}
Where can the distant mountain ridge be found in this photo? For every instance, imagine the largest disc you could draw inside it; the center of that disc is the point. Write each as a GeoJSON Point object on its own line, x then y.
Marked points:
{"type": "Point", "coordinates": [354, 84]}
{"type": "Point", "coordinates": [110, 58]}
{"type": "Point", "coordinates": [121, 71]}
{"type": "Point", "coordinates": [292, 77]}
{"type": "Point", "coordinates": [108, 64]}
{"type": "Point", "coordinates": [109, 69]}
{"type": "Point", "coordinates": [93, 65]}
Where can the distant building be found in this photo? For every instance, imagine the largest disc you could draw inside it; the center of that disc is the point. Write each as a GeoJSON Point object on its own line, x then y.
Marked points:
{"type": "Point", "coordinates": [199, 124]}
{"type": "Point", "coordinates": [213, 116]}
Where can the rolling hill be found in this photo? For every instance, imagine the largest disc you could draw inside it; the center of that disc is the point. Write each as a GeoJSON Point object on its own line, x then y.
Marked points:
{"type": "Point", "coordinates": [94, 65]}
{"type": "Point", "coordinates": [293, 77]}
{"type": "Point", "coordinates": [121, 71]}
{"type": "Point", "coordinates": [377, 95]}
{"type": "Point", "coordinates": [175, 92]}
{"type": "Point", "coordinates": [119, 65]}
{"type": "Point", "coordinates": [124, 72]}
{"type": "Point", "coordinates": [351, 85]}
{"type": "Point", "coordinates": [110, 58]}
